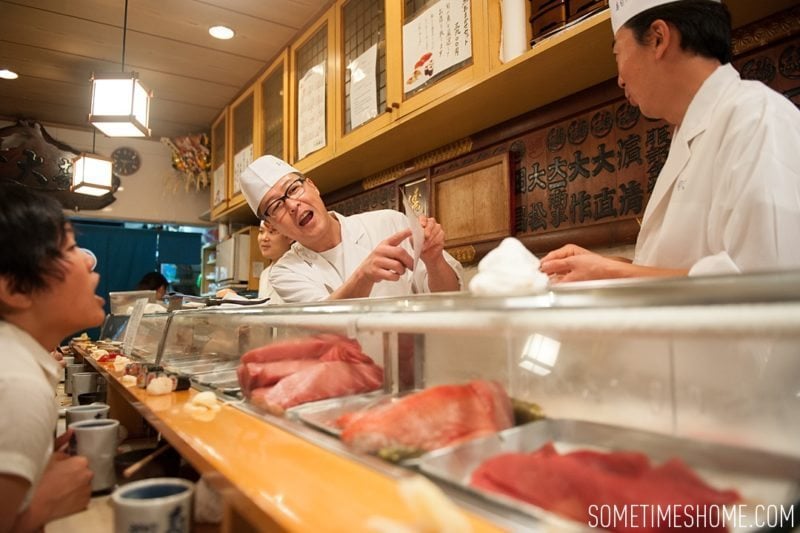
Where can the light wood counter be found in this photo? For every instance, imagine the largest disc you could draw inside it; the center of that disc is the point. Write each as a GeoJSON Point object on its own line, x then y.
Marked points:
{"type": "Point", "coordinates": [271, 480]}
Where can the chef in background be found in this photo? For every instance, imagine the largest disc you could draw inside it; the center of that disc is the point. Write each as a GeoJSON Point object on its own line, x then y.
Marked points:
{"type": "Point", "coordinates": [336, 257]}
{"type": "Point", "coordinates": [728, 197]}
{"type": "Point", "coordinates": [154, 281]}
{"type": "Point", "coordinates": [47, 292]}
{"type": "Point", "coordinates": [272, 246]}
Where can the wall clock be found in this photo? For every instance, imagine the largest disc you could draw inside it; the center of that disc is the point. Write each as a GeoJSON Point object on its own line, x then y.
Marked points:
{"type": "Point", "coordinates": [126, 161]}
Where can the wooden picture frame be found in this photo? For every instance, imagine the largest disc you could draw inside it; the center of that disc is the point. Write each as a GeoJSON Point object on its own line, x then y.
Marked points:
{"type": "Point", "coordinates": [417, 189]}
{"type": "Point", "coordinates": [474, 203]}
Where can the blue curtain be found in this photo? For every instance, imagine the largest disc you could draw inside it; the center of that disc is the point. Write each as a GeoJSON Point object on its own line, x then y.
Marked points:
{"type": "Point", "coordinates": [123, 255]}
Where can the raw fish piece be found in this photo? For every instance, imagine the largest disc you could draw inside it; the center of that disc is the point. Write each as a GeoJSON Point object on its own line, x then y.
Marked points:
{"type": "Point", "coordinates": [569, 484]}
{"type": "Point", "coordinates": [326, 379]}
{"type": "Point", "coordinates": [430, 419]}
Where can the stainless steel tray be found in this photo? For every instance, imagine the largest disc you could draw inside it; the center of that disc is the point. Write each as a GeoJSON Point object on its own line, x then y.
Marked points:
{"type": "Point", "coordinates": [200, 366]}
{"type": "Point", "coordinates": [760, 477]}
{"type": "Point", "coordinates": [224, 378]}
{"type": "Point", "coordinates": [321, 415]}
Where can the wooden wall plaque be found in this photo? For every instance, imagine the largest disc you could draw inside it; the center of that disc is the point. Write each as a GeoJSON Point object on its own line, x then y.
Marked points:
{"type": "Point", "coordinates": [473, 203]}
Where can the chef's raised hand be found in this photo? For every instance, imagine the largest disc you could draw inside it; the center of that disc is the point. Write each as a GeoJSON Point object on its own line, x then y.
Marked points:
{"type": "Point", "coordinates": [434, 239]}
{"type": "Point", "coordinates": [388, 261]}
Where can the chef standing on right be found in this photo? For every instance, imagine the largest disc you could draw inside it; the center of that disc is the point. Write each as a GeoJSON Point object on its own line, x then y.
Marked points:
{"type": "Point", "coordinates": [728, 197]}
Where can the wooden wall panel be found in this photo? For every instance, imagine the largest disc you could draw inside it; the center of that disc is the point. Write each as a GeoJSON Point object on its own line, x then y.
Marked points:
{"type": "Point", "coordinates": [472, 203]}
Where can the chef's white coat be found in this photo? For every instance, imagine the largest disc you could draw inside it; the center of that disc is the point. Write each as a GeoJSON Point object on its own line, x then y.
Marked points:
{"type": "Point", "coordinates": [302, 275]}
{"type": "Point", "coordinates": [265, 288]}
{"type": "Point", "coordinates": [728, 197]}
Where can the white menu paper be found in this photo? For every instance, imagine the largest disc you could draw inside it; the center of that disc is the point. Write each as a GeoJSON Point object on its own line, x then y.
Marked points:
{"type": "Point", "coordinates": [311, 111]}
{"type": "Point", "coordinates": [363, 87]}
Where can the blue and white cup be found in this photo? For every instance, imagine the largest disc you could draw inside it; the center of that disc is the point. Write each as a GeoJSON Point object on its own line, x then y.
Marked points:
{"type": "Point", "coordinates": [158, 505]}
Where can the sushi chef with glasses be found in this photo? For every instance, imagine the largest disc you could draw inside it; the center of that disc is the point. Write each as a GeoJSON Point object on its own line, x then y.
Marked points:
{"type": "Point", "coordinates": [47, 292]}
{"type": "Point", "coordinates": [728, 197]}
{"type": "Point", "coordinates": [336, 257]}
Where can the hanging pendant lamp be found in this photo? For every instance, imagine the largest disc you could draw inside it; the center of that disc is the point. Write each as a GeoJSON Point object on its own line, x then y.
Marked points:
{"type": "Point", "coordinates": [91, 173]}
{"type": "Point", "coordinates": [120, 103]}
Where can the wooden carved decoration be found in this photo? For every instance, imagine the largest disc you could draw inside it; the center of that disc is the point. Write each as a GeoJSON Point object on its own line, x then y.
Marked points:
{"type": "Point", "coordinates": [31, 157]}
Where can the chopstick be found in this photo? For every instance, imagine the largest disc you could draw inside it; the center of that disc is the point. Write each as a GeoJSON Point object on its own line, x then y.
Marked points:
{"type": "Point", "coordinates": [131, 470]}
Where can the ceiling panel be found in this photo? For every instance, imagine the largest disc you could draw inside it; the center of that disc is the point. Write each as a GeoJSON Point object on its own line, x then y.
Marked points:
{"type": "Point", "coordinates": [56, 45]}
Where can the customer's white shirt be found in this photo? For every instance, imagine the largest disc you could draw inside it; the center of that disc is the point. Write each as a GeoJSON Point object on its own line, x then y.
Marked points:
{"type": "Point", "coordinates": [28, 412]}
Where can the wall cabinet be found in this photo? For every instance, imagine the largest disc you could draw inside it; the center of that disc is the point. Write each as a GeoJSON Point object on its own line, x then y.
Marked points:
{"type": "Point", "coordinates": [321, 96]}
{"type": "Point", "coordinates": [311, 98]}
{"type": "Point", "coordinates": [272, 102]}
{"type": "Point", "coordinates": [242, 128]}
{"type": "Point", "coordinates": [219, 164]}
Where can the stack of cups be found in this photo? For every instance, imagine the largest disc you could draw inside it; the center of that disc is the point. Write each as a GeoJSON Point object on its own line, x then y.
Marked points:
{"type": "Point", "coordinates": [68, 360]}
{"type": "Point", "coordinates": [70, 370]}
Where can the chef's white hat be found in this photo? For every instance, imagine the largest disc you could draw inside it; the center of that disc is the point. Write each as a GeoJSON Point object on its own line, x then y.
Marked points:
{"type": "Point", "coordinates": [260, 176]}
{"type": "Point", "coordinates": [624, 10]}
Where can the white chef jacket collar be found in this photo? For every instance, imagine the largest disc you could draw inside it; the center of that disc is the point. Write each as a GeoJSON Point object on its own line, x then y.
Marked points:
{"type": "Point", "coordinates": [349, 232]}
{"type": "Point", "coordinates": [698, 114]}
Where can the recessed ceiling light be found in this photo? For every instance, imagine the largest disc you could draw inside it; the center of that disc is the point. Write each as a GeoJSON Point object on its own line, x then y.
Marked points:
{"type": "Point", "coordinates": [8, 74]}
{"type": "Point", "coordinates": [221, 32]}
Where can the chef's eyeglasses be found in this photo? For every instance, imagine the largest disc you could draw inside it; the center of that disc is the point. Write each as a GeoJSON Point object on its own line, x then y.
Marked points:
{"type": "Point", "coordinates": [91, 256]}
{"type": "Point", "coordinates": [294, 190]}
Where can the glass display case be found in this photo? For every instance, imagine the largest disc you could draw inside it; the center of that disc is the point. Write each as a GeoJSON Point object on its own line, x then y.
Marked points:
{"type": "Point", "coordinates": [143, 336]}
{"type": "Point", "coordinates": [705, 370]}
{"type": "Point", "coordinates": [114, 327]}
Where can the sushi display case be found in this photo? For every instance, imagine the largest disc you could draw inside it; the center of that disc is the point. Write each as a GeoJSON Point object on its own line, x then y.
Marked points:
{"type": "Point", "coordinates": [703, 371]}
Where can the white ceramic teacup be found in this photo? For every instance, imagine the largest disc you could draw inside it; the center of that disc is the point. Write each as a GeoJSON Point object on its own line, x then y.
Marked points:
{"type": "Point", "coordinates": [97, 441]}
{"type": "Point", "coordinates": [94, 411]}
{"type": "Point", "coordinates": [159, 505]}
{"type": "Point", "coordinates": [83, 382]}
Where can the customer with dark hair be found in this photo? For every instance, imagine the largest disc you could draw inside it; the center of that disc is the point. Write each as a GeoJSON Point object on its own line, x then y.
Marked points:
{"type": "Point", "coordinates": [47, 292]}
{"type": "Point", "coordinates": [153, 281]}
{"type": "Point", "coordinates": [728, 197]}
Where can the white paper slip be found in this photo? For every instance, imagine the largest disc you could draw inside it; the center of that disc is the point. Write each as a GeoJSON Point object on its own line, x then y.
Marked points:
{"type": "Point", "coordinates": [417, 233]}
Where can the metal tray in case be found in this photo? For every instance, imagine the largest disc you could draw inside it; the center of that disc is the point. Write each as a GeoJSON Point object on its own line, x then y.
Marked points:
{"type": "Point", "coordinates": [760, 477]}
{"type": "Point", "coordinates": [322, 414]}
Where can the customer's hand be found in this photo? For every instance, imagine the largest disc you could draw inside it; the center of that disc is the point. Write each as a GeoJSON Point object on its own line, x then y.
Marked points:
{"type": "Point", "coordinates": [65, 487]}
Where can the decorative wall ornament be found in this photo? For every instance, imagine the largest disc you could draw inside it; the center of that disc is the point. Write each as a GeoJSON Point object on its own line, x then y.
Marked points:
{"type": "Point", "coordinates": [31, 157]}
{"type": "Point", "coordinates": [464, 254]}
{"type": "Point", "coordinates": [191, 159]}
{"type": "Point", "coordinates": [769, 30]}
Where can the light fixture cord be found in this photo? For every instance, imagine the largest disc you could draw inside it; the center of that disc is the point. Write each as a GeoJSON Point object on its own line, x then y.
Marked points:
{"type": "Point", "coordinates": [124, 32]}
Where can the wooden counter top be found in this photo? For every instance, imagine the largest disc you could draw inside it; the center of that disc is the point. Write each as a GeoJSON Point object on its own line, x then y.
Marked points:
{"type": "Point", "coordinates": [275, 480]}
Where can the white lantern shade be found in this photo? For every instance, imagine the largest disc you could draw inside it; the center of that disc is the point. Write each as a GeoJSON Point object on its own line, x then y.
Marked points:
{"type": "Point", "coordinates": [120, 105]}
{"type": "Point", "coordinates": [91, 175]}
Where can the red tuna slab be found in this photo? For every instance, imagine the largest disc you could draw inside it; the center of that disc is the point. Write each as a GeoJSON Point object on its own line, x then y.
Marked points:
{"type": "Point", "coordinates": [569, 484]}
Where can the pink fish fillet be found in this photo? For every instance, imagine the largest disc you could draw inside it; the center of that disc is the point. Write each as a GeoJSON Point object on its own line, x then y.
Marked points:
{"type": "Point", "coordinates": [430, 419]}
{"type": "Point", "coordinates": [256, 375]}
{"type": "Point", "coordinates": [306, 348]}
{"type": "Point", "coordinates": [326, 379]}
